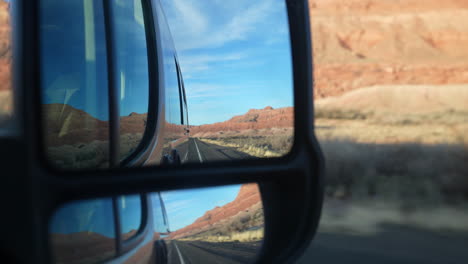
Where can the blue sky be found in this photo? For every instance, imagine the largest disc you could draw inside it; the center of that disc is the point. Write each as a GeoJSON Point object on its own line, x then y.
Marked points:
{"type": "Point", "coordinates": [234, 55]}
{"type": "Point", "coordinates": [183, 207]}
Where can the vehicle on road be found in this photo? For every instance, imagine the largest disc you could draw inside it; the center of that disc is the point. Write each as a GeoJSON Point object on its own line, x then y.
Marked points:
{"type": "Point", "coordinates": [126, 229]}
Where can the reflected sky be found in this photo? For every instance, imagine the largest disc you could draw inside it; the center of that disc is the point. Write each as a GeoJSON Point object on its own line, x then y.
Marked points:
{"type": "Point", "coordinates": [185, 206]}
{"type": "Point", "coordinates": [234, 55]}
{"type": "Point", "coordinates": [74, 58]}
{"type": "Point", "coordinates": [91, 216]}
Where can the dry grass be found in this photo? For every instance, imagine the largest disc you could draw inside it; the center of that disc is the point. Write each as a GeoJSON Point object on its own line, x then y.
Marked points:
{"type": "Point", "coordinates": [245, 236]}
{"type": "Point", "coordinates": [443, 127]}
{"type": "Point", "coordinates": [257, 146]}
{"type": "Point", "coordinates": [410, 173]}
{"type": "Point", "coordinates": [90, 155]}
{"type": "Point", "coordinates": [408, 158]}
{"type": "Point", "coordinates": [245, 226]}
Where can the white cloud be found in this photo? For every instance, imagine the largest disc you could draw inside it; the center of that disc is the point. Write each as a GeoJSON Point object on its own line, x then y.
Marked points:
{"type": "Point", "coordinates": [189, 14]}
{"type": "Point", "coordinates": [192, 64]}
{"type": "Point", "coordinates": [194, 27]}
{"type": "Point", "coordinates": [173, 207]}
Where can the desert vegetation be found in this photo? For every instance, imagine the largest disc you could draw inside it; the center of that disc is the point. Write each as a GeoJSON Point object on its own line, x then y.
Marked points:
{"type": "Point", "coordinates": [256, 146]}
{"type": "Point", "coordinates": [245, 226]}
{"type": "Point", "coordinates": [404, 157]}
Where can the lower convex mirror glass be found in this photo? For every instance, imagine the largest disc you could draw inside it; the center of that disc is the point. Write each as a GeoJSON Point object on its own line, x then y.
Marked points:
{"type": "Point", "coordinates": [211, 225]}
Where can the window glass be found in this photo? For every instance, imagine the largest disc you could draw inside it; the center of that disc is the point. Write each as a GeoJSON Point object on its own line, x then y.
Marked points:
{"type": "Point", "coordinates": [239, 83]}
{"type": "Point", "coordinates": [6, 97]}
{"type": "Point", "coordinates": [130, 212]}
{"type": "Point", "coordinates": [131, 70]}
{"type": "Point", "coordinates": [160, 220]}
{"type": "Point", "coordinates": [83, 232]}
{"type": "Point", "coordinates": [74, 83]}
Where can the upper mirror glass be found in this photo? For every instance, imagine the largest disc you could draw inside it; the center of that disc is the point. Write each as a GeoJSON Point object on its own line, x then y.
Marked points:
{"type": "Point", "coordinates": [212, 225]}
{"type": "Point", "coordinates": [207, 81]}
{"type": "Point", "coordinates": [6, 91]}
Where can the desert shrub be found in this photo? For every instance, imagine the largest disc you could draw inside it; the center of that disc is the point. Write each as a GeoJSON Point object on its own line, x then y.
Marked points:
{"type": "Point", "coordinates": [333, 113]}
{"type": "Point", "coordinates": [89, 155]}
{"type": "Point", "coordinates": [409, 173]}
{"type": "Point", "coordinates": [258, 145]}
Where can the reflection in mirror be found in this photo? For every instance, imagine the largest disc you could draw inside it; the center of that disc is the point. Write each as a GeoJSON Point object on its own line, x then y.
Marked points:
{"type": "Point", "coordinates": [237, 83]}
{"type": "Point", "coordinates": [131, 66]}
{"type": "Point", "coordinates": [223, 98]}
{"type": "Point", "coordinates": [83, 232]}
{"type": "Point", "coordinates": [6, 96]}
{"type": "Point", "coordinates": [130, 215]}
{"type": "Point", "coordinates": [211, 225]}
{"type": "Point", "coordinates": [74, 83]}
{"type": "Point", "coordinates": [75, 92]}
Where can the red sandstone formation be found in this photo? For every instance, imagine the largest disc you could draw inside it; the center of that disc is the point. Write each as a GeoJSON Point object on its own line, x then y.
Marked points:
{"type": "Point", "coordinates": [74, 247]}
{"type": "Point", "coordinates": [5, 47]}
{"type": "Point", "coordinates": [248, 196]}
{"type": "Point", "coordinates": [253, 119]}
{"type": "Point", "coordinates": [360, 43]}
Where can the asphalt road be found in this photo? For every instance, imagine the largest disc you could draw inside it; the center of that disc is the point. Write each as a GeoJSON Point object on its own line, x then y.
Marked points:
{"type": "Point", "coordinates": [393, 244]}
{"type": "Point", "coordinates": [183, 252]}
{"type": "Point", "coordinates": [197, 151]}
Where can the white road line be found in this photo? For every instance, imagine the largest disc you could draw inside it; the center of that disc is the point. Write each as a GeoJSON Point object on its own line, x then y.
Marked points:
{"type": "Point", "coordinates": [199, 155]}
{"type": "Point", "coordinates": [178, 252]}
{"type": "Point", "coordinates": [186, 154]}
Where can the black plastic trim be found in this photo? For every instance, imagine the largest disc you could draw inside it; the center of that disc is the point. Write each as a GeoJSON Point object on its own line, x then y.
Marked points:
{"type": "Point", "coordinates": [149, 139]}
{"type": "Point", "coordinates": [143, 229]}
{"type": "Point", "coordinates": [38, 188]}
{"type": "Point", "coordinates": [114, 101]}
{"type": "Point", "coordinates": [118, 231]}
{"type": "Point", "coordinates": [179, 84]}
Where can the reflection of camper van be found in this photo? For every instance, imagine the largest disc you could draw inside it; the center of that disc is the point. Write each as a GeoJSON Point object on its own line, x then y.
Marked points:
{"type": "Point", "coordinates": [122, 228]}
{"type": "Point", "coordinates": [104, 65]}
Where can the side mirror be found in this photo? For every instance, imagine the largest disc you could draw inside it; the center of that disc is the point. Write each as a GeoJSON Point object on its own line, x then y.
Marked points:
{"type": "Point", "coordinates": [96, 121]}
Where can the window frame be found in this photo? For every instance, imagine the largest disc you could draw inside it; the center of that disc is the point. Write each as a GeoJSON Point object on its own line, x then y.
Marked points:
{"type": "Point", "coordinates": [180, 85]}
{"type": "Point", "coordinates": [124, 246]}
{"type": "Point", "coordinates": [38, 188]}
{"type": "Point", "coordinates": [147, 142]}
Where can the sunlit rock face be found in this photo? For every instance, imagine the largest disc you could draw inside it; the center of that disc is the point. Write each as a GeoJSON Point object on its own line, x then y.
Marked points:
{"type": "Point", "coordinates": [248, 200]}
{"type": "Point", "coordinates": [361, 43]}
{"type": "Point", "coordinates": [5, 61]}
{"type": "Point", "coordinates": [246, 124]}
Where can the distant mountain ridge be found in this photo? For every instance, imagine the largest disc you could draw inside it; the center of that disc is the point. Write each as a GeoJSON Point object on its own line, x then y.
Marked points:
{"type": "Point", "coordinates": [254, 119]}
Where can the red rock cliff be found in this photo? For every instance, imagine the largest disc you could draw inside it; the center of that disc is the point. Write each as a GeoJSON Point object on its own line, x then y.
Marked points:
{"type": "Point", "coordinates": [248, 196]}
{"type": "Point", "coordinates": [359, 43]}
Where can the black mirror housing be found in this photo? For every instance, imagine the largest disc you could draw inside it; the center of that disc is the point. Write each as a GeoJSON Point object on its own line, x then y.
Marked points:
{"type": "Point", "coordinates": [291, 186]}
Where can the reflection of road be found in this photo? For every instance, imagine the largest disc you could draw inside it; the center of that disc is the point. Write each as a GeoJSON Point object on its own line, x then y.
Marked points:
{"type": "Point", "coordinates": [197, 151]}
{"type": "Point", "coordinates": [395, 244]}
{"type": "Point", "coordinates": [184, 252]}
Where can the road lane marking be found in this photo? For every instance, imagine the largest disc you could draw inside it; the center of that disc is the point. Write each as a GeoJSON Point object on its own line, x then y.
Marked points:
{"type": "Point", "coordinates": [199, 155]}
{"type": "Point", "coordinates": [186, 154]}
{"type": "Point", "coordinates": [178, 252]}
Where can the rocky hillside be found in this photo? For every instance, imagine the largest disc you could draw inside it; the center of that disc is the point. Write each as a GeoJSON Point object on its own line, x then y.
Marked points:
{"type": "Point", "coordinates": [254, 119]}
{"type": "Point", "coordinates": [66, 125]}
{"type": "Point", "coordinates": [74, 247]}
{"type": "Point", "coordinates": [5, 46]}
{"type": "Point", "coordinates": [247, 199]}
{"type": "Point", "coordinates": [361, 43]}
{"type": "Point", "coordinates": [5, 61]}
